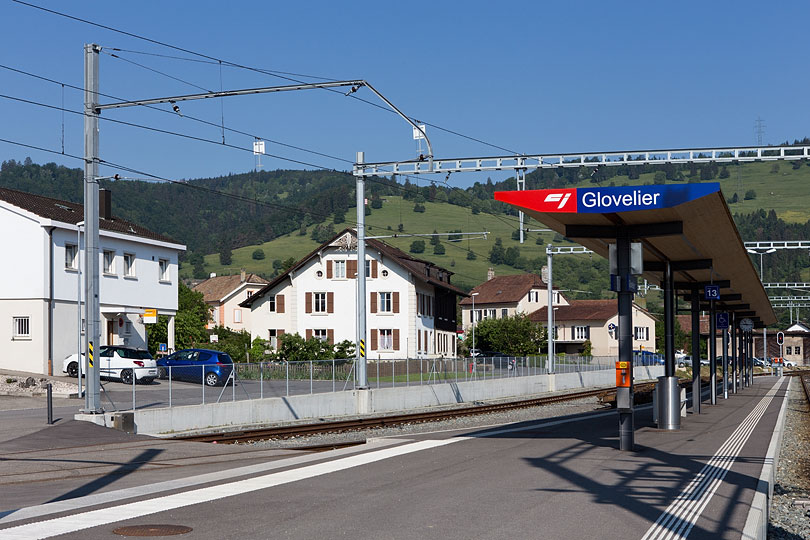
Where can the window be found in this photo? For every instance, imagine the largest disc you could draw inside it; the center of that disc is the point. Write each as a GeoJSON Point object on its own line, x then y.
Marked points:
{"type": "Point", "coordinates": [319, 302]}
{"type": "Point", "coordinates": [340, 269]}
{"type": "Point", "coordinates": [71, 256]}
{"type": "Point", "coordinates": [109, 261]}
{"type": "Point", "coordinates": [129, 265]}
{"type": "Point", "coordinates": [641, 333]}
{"type": "Point", "coordinates": [385, 303]}
{"type": "Point", "coordinates": [504, 313]}
{"type": "Point", "coordinates": [163, 268]}
{"type": "Point", "coordinates": [788, 350]}
{"type": "Point", "coordinates": [237, 315]}
{"type": "Point", "coordinates": [320, 333]}
{"type": "Point", "coordinates": [273, 336]}
{"type": "Point", "coordinates": [797, 350]}
{"type": "Point", "coordinates": [534, 296]}
{"type": "Point", "coordinates": [22, 327]}
{"type": "Point", "coordinates": [319, 274]}
{"type": "Point", "coordinates": [387, 339]}
{"type": "Point", "coordinates": [491, 313]}
{"type": "Point", "coordinates": [249, 294]}
{"type": "Point", "coordinates": [477, 315]}
{"type": "Point", "coordinates": [368, 269]}
{"type": "Point", "coordinates": [384, 273]}
{"type": "Point", "coordinates": [271, 302]}
{"type": "Point", "coordinates": [582, 332]}
{"type": "Point", "coordinates": [127, 328]}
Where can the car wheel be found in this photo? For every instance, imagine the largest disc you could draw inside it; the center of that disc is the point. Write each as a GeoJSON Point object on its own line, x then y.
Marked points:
{"type": "Point", "coordinates": [163, 373]}
{"type": "Point", "coordinates": [73, 369]}
{"type": "Point", "coordinates": [211, 379]}
{"type": "Point", "coordinates": [680, 364]}
{"type": "Point", "coordinates": [126, 376]}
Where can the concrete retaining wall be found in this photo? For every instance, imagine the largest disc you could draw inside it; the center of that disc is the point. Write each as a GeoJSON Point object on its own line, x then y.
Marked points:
{"type": "Point", "coordinates": [314, 407]}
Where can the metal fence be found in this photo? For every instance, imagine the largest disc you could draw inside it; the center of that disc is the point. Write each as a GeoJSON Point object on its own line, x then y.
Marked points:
{"type": "Point", "coordinates": [195, 385]}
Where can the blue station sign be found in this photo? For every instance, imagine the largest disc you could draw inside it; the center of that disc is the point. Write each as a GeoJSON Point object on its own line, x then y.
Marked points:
{"type": "Point", "coordinates": [607, 200]}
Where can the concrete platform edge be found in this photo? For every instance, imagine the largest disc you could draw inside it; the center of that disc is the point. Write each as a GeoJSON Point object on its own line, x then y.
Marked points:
{"type": "Point", "coordinates": [756, 524]}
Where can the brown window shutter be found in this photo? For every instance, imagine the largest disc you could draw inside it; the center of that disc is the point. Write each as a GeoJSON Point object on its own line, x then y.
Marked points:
{"type": "Point", "coordinates": [373, 302]}
{"type": "Point", "coordinates": [330, 336]}
{"type": "Point", "coordinates": [373, 340]}
{"type": "Point", "coordinates": [418, 340]}
{"type": "Point", "coordinates": [351, 268]}
{"type": "Point", "coordinates": [309, 333]}
{"type": "Point", "coordinates": [396, 339]}
{"type": "Point", "coordinates": [279, 303]}
{"type": "Point", "coordinates": [279, 332]}
{"type": "Point", "coordinates": [396, 301]}
{"type": "Point", "coordinates": [330, 302]}
{"type": "Point", "coordinates": [329, 269]}
{"type": "Point", "coordinates": [308, 302]}
{"type": "Point", "coordinates": [374, 268]}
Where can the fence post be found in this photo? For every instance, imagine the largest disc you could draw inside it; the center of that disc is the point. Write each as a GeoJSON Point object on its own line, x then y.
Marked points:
{"type": "Point", "coordinates": [287, 375]}
{"type": "Point", "coordinates": [233, 382]}
{"type": "Point", "coordinates": [202, 380]}
{"type": "Point", "coordinates": [333, 374]}
{"type": "Point", "coordinates": [310, 376]}
{"type": "Point", "coordinates": [261, 380]}
{"type": "Point", "coordinates": [134, 378]}
{"type": "Point", "coordinates": [378, 373]}
{"type": "Point", "coordinates": [420, 371]}
{"type": "Point", "coordinates": [407, 370]}
{"type": "Point", "coordinates": [393, 371]}
{"type": "Point", "coordinates": [170, 386]}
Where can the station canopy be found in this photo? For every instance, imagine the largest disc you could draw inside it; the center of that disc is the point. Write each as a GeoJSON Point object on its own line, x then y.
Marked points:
{"type": "Point", "coordinates": [688, 224]}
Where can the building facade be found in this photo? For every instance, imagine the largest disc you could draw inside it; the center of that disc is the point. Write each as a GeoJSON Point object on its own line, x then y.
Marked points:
{"type": "Point", "coordinates": [505, 296]}
{"type": "Point", "coordinates": [42, 283]}
{"type": "Point", "coordinates": [411, 304]}
{"type": "Point", "coordinates": [223, 294]}
{"type": "Point", "coordinates": [596, 321]}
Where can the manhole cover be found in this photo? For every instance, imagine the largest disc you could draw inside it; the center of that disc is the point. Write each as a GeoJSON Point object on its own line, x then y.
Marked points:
{"type": "Point", "coordinates": [152, 530]}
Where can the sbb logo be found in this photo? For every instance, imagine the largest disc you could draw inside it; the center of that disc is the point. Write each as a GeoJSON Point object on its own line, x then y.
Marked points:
{"type": "Point", "coordinates": [558, 200]}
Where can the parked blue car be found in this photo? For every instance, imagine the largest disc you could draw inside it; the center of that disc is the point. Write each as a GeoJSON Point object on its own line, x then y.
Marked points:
{"type": "Point", "coordinates": [196, 365]}
{"type": "Point", "coordinates": [648, 358]}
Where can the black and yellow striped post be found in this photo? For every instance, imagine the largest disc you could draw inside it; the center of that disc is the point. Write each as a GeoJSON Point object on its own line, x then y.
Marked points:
{"type": "Point", "coordinates": [90, 354]}
{"type": "Point", "coordinates": [362, 348]}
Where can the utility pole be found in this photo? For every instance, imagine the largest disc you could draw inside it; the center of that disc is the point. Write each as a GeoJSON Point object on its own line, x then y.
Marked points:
{"type": "Point", "coordinates": [550, 322]}
{"type": "Point", "coordinates": [360, 353]}
{"type": "Point", "coordinates": [91, 262]}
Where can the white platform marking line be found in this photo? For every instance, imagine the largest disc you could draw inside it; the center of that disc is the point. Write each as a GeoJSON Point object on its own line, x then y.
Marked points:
{"type": "Point", "coordinates": [104, 516]}
{"type": "Point", "coordinates": [689, 504]}
{"type": "Point", "coordinates": [180, 483]}
{"type": "Point", "coordinates": [684, 504]}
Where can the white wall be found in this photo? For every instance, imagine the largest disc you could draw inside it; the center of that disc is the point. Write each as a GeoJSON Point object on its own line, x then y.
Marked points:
{"type": "Point", "coordinates": [23, 273]}
{"type": "Point", "coordinates": [24, 354]}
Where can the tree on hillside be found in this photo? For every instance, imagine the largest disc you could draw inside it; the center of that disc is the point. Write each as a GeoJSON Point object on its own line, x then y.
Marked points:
{"type": "Point", "coordinates": [438, 249]}
{"type": "Point", "coordinates": [225, 256]}
{"type": "Point", "coordinates": [258, 254]}
{"type": "Point", "coordinates": [434, 240]}
{"type": "Point", "coordinates": [376, 202]}
{"type": "Point", "coordinates": [750, 195]}
{"type": "Point", "coordinates": [340, 217]}
{"type": "Point", "coordinates": [471, 256]}
{"type": "Point", "coordinates": [419, 208]}
{"type": "Point", "coordinates": [417, 246]}
{"type": "Point", "coordinates": [497, 253]}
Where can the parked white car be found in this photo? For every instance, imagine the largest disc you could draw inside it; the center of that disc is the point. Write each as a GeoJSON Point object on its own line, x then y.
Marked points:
{"type": "Point", "coordinates": [117, 363]}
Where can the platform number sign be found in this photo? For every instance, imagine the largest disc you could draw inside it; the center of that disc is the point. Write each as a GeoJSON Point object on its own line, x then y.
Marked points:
{"type": "Point", "coordinates": [722, 321]}
{"type": "Point", "coordinates": [711, 292]}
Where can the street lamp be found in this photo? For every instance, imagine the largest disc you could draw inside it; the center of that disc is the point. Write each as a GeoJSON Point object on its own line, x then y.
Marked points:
{"type": "Point", "coordinates": [760, 253]}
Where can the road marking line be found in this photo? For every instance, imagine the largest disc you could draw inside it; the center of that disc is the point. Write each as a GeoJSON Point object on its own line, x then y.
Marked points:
{"type": "Point", "coordinates": [679, 518]}
{"type": "Point", "coordinates": [104, 516]}
{"type": "Point", "coordinates": [76, 503]}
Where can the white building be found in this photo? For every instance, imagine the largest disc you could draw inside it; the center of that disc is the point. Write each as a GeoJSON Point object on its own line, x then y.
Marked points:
{"type": "Point", "coordinates": [411, 304]}
{"type": "Point", "coordinates": [41, 279]}
{"type": "Point", "coordinates": [506, 296]}
{"type": "Point", "coordinates": [223, 294]}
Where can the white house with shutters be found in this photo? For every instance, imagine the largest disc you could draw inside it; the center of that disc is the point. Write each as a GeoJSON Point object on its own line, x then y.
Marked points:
{"type": "Point", "coordinates": [43, 278]}
{"type": "Point", "coordinates": [411, 303]}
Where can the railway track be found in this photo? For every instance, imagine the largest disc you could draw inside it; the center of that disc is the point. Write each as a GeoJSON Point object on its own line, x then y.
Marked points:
{"type": "Point", "coordinates": [286, 432]}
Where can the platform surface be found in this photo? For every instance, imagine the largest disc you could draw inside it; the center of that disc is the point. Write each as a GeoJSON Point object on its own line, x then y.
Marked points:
{"type": "Point", "coordinates": [553, 478]}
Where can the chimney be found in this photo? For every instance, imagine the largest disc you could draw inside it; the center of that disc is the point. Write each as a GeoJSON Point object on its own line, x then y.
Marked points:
{"type": "Point", "coordinates": [490, 273]}
{"type": "Point", "coordinates": [105, 204]}
{"type": "Point", "coordinates": [242, 276]}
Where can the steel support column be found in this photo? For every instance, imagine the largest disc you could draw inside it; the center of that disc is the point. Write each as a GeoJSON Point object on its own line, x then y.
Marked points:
{"type": "Point", "coordinates": [733, 326]}
{"type": "Point", "coordinates": [669, 321]}
{"type": "Point", "coordinates": [360, 354]}
{"type": "Point", "coordinates": [624, 396]}
{"type": "Point", "coordinates": [712, 353]}
{"type": "Point", "coordinates": [695, 351]}
{"type": "Point", "coordinates": [725, 363]}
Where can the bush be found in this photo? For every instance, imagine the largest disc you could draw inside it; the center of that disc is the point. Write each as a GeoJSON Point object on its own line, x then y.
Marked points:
{"type": "Point", "coordinates": [471, 256]}
{"type": "Point", "coordinates": [438, 249]}
{"type": "Point", "coordinates": [417, 246]}
{"type": "Point", "coordinates": [419, 208]}
{"type": "Point", "coordinates": [750, 195]}
{"type": "Point", "coordinates": [258, 254]}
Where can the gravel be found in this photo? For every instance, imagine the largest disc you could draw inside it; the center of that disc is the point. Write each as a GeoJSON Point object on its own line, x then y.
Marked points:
{"type": "Point", "coordinates": [552, 410]}
{"type": "Point", "coordinates": [789, 518]}
{"type": "Point", "coordinates": [16, 385]}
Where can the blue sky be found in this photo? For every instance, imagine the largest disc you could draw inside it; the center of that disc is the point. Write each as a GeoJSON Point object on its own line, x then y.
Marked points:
{"type": "Point", "coordinates": [530, 77]}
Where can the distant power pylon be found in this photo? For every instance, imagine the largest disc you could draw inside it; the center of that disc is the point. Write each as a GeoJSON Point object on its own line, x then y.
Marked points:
{"type": "Point", "coordinates": [759, 129]}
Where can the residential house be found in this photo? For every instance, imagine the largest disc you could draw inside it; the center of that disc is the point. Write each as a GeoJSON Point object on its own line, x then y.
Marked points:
{"type": "Point", "coordinates": [223, 294]}
{"type": "Point", "coordinates": [506, 296]}
{"type": "Point", "coordinates": [596, 321]}
{"type": "Point", "coordinates": [42, 280]}
{"type": "Point", "coordinates": [411, 303]}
